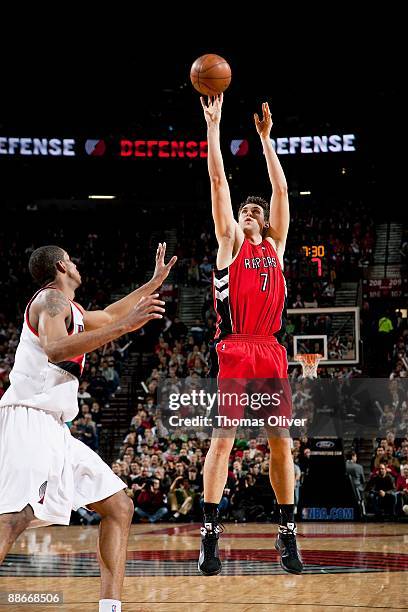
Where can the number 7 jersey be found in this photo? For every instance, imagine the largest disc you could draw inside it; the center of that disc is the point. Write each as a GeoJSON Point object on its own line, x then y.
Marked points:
{"type": "Point", "coordinates": [250, 294]}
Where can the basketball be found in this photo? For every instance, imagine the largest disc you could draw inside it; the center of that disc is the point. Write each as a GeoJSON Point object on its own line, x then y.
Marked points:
{"type": "Point", "coordinates": [210, 74]}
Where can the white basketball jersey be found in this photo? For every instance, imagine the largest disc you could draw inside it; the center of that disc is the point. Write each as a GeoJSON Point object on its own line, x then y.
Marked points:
{"type": "Point", "coordinates": [37, 383]}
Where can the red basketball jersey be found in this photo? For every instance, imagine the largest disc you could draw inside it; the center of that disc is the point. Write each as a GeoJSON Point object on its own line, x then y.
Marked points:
{"type": "Point", "coordinates": [249, 295]}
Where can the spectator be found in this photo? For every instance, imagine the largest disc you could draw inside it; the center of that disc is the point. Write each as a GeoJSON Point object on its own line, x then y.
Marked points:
{"type": "Point", "coordinates": [178, 329]}
{"type": "Point", "coordinates": [299, 302]}
{"type": "Point", "coordinates": [205, 271]}
{"type": "Point", "coordinates": [82, 392]}
{"type": "Point", "coordinates": [197, 331]}
{"type": "Point", "coordinates": [329, 293]}
{"type": "Point", "coordinates": [110, 375]}
{"type": "Point", "coordinates": [151, 501]}
{"type": "Point", "coordinates": [245, 502]}
{"type": "Point", "coordinates": [304, 461]}
{"type": "Point", "coordinates": [377, 459]}
{"type": "Point", "coordinates": [87, 430]}
{"type": "Point", "coordinates": [402, 489]}
{"type": "Point", "coordinates": [298, 475]}
{"type": "Point", "coordinates": [382, 492]}
{"type": "Point", "coordinates": [355, 471]}
{"type": "Point", "coordinates": [181, 498]}
{"type": "Point", "coordinates": [356, 474]}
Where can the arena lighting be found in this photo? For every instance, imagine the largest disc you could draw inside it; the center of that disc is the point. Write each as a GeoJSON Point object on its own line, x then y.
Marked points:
{"type": "Point", "coordinates": [101, 197]}
{"type": "Point", "coordinates": [305, 193]}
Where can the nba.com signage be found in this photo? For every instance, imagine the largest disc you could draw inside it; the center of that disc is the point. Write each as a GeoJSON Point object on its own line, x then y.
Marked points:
{"type": "Point", "coordinates": [56, 147]}
{"type": "Point", "coordinates": [320, 513]}
{"type": "Point", "coordinates": [334, 143]}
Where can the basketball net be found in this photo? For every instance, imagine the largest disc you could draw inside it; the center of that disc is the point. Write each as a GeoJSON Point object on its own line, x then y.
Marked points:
{"type": "Point", "coordinates": [309, 362]}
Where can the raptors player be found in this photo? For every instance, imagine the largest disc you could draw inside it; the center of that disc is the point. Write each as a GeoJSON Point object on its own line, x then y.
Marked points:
{"type": "Point", "coordinates": [44, 471]}
{"type": "Point", "coordinates": [249, 293]}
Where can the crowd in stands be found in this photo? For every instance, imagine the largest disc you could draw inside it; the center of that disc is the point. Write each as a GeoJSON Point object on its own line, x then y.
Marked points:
{"type": "Point", "coordinates": [346, 237]}
{"type": "Point", "coordinates": [103, 264]}
{"type": "Point", "coordinates": [397, 348]}
{"type": "Point", "coordinates": [162, 470]}
{"type": "Point", "coordinates": [387, 487]}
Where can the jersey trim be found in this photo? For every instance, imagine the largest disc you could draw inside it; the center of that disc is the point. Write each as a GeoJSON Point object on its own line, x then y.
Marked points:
{"type": "Point", "coordinates": [221, 302]}
{"type": "Point", "coordinates": [81, 310]}
{"type": "Point", "coordinates": [30, 327]}
{"type": "Point", "coordinates": [70, 329]}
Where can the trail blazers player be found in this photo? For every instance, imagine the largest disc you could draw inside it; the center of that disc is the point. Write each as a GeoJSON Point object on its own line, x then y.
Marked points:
{"type": "Point", "coordinates": [44, 471]}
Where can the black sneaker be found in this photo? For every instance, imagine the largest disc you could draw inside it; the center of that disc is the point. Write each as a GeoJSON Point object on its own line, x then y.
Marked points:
{"type": "Point", "coordinates": [209, 563]}
{"type": "Point", "coordinates": [286, 546]}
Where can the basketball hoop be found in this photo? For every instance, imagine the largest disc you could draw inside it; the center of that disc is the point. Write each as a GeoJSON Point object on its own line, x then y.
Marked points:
{"type": "Point", "coordinates": [309, 362]}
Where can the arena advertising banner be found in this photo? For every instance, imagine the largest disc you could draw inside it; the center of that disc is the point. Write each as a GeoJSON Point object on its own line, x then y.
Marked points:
{"type": "Point", "coordinates": [162, 148]}
{"type": "Point", "coordinates": [44, 147]}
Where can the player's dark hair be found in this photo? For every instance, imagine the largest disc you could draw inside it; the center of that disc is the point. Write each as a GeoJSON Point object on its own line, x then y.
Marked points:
{"type": "Point", "coordinates": [256, 200]}
{"type": "Point", "coordinates": [43, 263]}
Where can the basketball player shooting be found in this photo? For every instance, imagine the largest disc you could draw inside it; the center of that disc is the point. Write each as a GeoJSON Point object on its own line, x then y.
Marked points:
{"type": "Point", "coordinates": [249, 289]}
{"type": "Point", "coordinates": [44, 471]}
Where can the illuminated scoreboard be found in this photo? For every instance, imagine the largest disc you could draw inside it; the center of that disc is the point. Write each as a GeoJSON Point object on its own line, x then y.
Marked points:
{"type": "Point", "coordinates": [315, 257]}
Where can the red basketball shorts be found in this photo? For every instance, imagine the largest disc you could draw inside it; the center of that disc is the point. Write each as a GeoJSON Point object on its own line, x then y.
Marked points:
{"type": "Point", "coordinates": [253, 378]}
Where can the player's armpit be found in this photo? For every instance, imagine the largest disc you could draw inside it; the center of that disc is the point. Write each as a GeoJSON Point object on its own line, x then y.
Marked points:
{"type": "Point", "coordinates": [95, 319]}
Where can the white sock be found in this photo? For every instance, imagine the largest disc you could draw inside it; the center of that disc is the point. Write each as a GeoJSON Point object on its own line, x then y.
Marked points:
{"type": "Point", "coordinates": [110, 605]}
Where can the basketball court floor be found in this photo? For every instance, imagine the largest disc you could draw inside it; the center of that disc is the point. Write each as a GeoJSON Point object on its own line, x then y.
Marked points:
{"type": "Point", "coordinates": [349, 567]}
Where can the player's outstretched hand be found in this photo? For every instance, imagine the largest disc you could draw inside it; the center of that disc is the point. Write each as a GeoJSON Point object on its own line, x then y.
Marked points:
{"type": "Point", "coordinates": [212, 110]}
{"type": "Point", "coordinates": [264, 125]}
{"type": "Point", "coordinates": [162, 270]}
{"type": "Point", "coordinates": [146, 309]}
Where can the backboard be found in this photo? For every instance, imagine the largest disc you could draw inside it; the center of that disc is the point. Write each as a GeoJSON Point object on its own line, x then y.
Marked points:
{"type": "Point", "coordinates": [333, 332]}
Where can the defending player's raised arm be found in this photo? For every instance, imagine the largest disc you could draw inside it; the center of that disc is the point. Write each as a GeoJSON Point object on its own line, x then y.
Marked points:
{"type": "Point", "coordinates": [94, 319]}
{"type": "Point", "coordinates": [225, 224]}
{"type": "Point", "coordinates": [52, 309]}
{"type": "Point", "coordinates": [279, 209]}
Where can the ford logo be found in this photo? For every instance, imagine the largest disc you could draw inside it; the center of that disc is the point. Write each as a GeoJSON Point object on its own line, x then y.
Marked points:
{"type": "Point", "coordinates": [325, 444]}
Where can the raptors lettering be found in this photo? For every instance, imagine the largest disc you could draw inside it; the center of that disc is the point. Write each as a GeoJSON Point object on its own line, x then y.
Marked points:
{"type": "Point", "coordinates": [255, 262]}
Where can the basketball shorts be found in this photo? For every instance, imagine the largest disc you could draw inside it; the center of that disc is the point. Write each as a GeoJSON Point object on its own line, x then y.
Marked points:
{"type": "Point", "coordinates": [252, 378]}
{"type": "Point", "coordinates": [42, 465]}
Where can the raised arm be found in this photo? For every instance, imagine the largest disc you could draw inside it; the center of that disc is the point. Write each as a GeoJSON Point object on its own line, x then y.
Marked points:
{"type": "Point", "coordinates": [279, 209]}
{"type": "Point", "coordinates": [51, 309]}
{"type": "Point", "coordinates": [95, 319]}
{"type": "Point", "coordinates": [226, 227]}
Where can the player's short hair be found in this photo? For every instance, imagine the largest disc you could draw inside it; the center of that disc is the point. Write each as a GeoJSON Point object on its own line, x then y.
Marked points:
{"type": "Point", "coordinates": [42, 263]}
{"type": "Point", "coordinates": [256, 200]}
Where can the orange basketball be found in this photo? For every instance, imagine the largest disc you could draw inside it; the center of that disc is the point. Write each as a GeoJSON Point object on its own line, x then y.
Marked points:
{"type": "Point", "coordinates": [210, 74]}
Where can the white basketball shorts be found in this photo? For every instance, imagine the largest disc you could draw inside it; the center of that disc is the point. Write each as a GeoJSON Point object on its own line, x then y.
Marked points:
{"type": "Point", "coordinates": [42, 465]}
